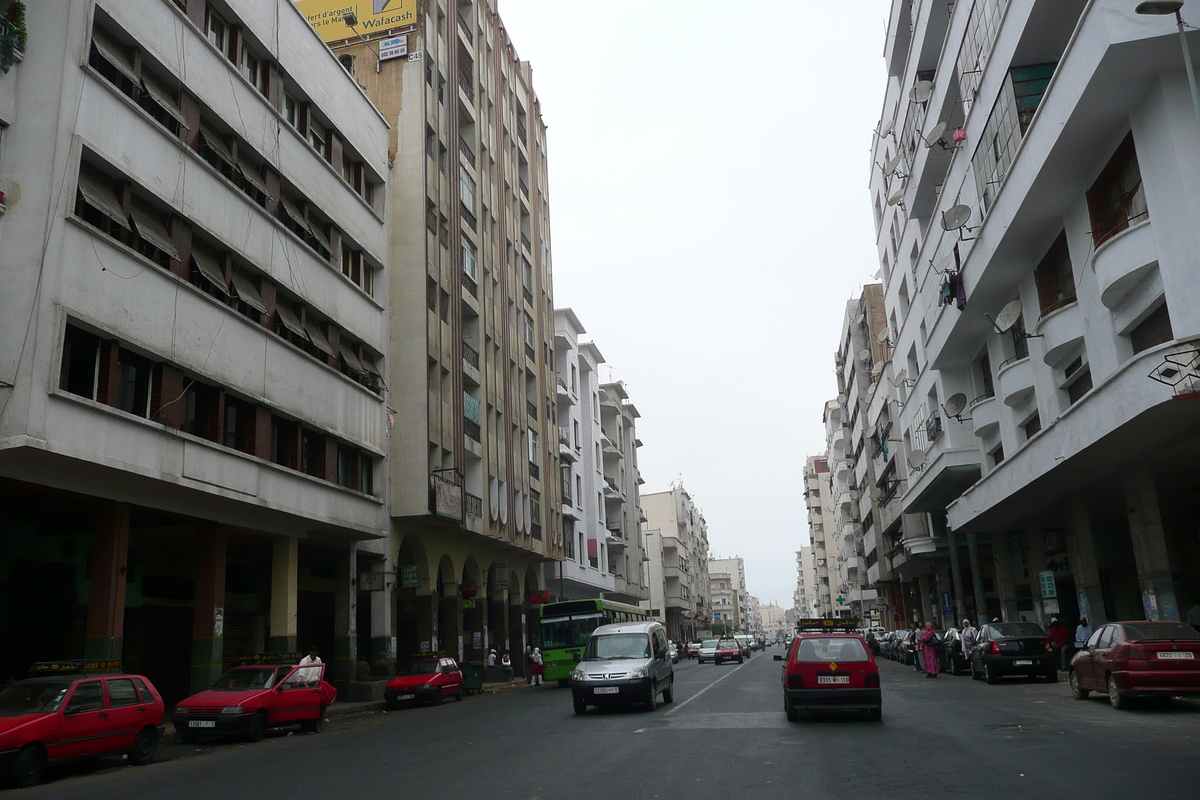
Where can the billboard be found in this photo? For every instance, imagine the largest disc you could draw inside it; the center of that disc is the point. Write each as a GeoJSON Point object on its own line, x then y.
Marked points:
{"type": "Point", "coordinates": [374, 16]}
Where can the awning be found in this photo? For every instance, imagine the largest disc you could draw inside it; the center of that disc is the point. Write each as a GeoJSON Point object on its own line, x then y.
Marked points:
{"type": "Point", "coordinates": [114, 54]}
{"type": "Point", "coordinates": [211, 270]}
{"type": "Point", "coordinates": [250, 173]}
{"type": "Point", "coordinates": [351, 360]}
{"type": "Point", "coordinates": [294, 212]}
{"type": "Point", "coordinates": [98, 193]}
{"type": "Point", "coordinates": [164, 97]}
{"type": "Point", "coordinates": [313, 328]}
{"type": "Point", "coordinates": [217, 144]}
{"type": "Point", "coordinates": [247, 293]}
{"type": "Point", "coordinates": [289, 320]}
{"type": "Point", "coordinates": [318, 233]}
{"type": "Point", "coordinates": [150, 228]}
{"type": "Point", "coordinates": [369, 363]}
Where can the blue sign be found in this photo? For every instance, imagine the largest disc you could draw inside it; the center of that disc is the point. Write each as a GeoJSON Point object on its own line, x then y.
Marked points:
{"type": "Point", "coordinates": [393, 47]}
{"type": "Point", "coordinates": [946, 606]}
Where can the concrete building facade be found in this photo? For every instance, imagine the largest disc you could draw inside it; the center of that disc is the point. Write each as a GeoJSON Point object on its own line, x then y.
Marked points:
{"type": "Point", "coordinates": [677, 545]}
{"type": "Point", "coordinates": [818, 497]}
{"type": "Point", "coordinates": [192, 413]}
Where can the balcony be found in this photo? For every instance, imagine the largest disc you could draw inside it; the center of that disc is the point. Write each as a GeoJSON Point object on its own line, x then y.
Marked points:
{"type": "Point", "coordinates": [565, 398]}
{"type": "Point", "coordinates": [531, 409]}
{"type": "Point", "coordinates": [470, 356]}
{"type": "Point", "coordinates": [1016, 380]}
{"type": "Point", "coordinates": [471, 429]}
{"type": "Point", "coordinates": [985, 414]}
{"type": "Point", "coordinates": [1123, 262]}
{"type": "Point", "coordinates": [1062, 332]}
{"type": "Point", "coordinates": [535, 471]}
{"type": "Point", "coordinates": [466, 151]}
{"type": "Point", "coordinates": [474, 505]}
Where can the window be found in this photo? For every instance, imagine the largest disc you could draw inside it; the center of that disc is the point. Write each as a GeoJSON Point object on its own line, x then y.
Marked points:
{"type": "Point", "coordinates": [1081, 385]}
{"type": "Point", "coordinates": [80, 363]}
{"type": "Point", "coordinates": [347, 467]}
{"type": "Point", "coordinates": [251, 67]}
{"type": "Point", "coordinates": [312, 453]}
{"type": "Point", "coordinates": [216, 28]}
{"type": "Point", "coordinates": [1054, 278]}
{"type": "Point", "coordinates": [533, 447]}
{"type": "Point", "coordinates": [574, 374]}
{"type": "Point", "coordinates": [121, 693]}
{"type": "Point", "coordinates": [347, 62]}
{"type": "Point", "coordinates": [997, 456]}
{"type": "Point", "coordinates": [200, 410]}
{"type": "Point", "coordinates": [470, 259]}
{"type": "Point", "coordinates": [1032, 426]}
{"type": "Point", "coordinates": [316, 136]}
{"type": "Point", "coordinates": [1117, 199]}
{"type": "Point", "coordinates": [88, 696]}
{"type": "Point", "coordinates": [239, 425]}
{"type": "Point", "coordinates": [982, 26]}
{"type": "Point", "coordinates": [133, 383]}
{"type": "Point", "coordinates": [985, 374]}
{"type": "Point", "coordinates": [1019, 339]}
{"type": "Point", "coordinates": [1153, 330]}
{"type": "Point", "coordinates": [466, 188]}
{"type": "Point", "coordinates": [291, 111]}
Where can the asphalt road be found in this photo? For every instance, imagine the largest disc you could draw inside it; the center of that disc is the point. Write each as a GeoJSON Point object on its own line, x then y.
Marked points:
{"type": "Point", "coordinates": [724, 736]}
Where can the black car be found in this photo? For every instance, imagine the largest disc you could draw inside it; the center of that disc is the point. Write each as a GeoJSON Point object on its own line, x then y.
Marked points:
{"type": "Point", "coordinates": [951, 656]}
{"type": "Point", "coordinates": [1013, 648]}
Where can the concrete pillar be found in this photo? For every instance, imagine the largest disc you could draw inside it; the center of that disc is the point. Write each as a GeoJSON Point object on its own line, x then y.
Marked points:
{"type": "Point", "coordinates": [1002, 557]}
{"type": "Point", "coordinates": [1081, 549]}
{"type": "Point", "coordinates": [1150, 545]}
{"type": "Point", "coordinates": [924, 585]}
{"type": "Point", "coordinates": [285, 589]}
{"type": "Point", "coordinates": [960, 601]}
{"type": "Point", "coordinates": [105, 630]}
{"type": "Point", "coordinates": [345, 616]}
{"type": "Point", "coordinates": [383, 626]}
{"type": "Point", "coordinates": [977, 579]}
{"type": "Point", "coordinates": [208, 608]}
{"type": "Point", "coordinates": [1034, 548]}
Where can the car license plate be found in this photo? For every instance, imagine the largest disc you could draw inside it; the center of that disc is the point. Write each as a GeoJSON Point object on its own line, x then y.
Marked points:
{"type": "Point", "coordinates": [202, 723]}
{"type": "Point", "coordinates": [1023, 663]}
{"type": "Point", "coordinates": [835, 679]}
{"type": "Point", "coordinates": [406, 697]}
{"type": "Point", "coordinates": [1176, 654]}
{"type": "Point", "coordinates": [607, 690]}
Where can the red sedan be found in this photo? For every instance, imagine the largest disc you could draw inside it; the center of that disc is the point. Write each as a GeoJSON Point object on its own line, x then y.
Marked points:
{"type": "Point", "coordinates": [1132, 659]}
{"type": "Point", "coordinates": [64, 713]}
{"type": "Point", "coordinates": [426, 680]}
{"type": "Point", "coordinates": [728, 650]}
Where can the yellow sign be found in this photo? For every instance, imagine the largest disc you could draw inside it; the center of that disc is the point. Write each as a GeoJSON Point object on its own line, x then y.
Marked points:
{"type": "Point", "coordinates": [374, 16]}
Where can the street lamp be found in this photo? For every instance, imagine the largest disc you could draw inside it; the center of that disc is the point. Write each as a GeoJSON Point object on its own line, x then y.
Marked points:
{"type": "Point", "coordinates": [351, 20]}
{"type": "Point", "coordinates": [1162, 8]}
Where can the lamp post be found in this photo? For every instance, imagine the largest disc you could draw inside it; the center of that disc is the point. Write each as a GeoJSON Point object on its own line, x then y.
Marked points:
{"type": "Point", "coordinates": [1162, 8]}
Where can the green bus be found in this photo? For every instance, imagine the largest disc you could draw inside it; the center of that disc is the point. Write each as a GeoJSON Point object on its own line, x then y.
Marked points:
{"type": "Point", "coordinates": [567, 625]}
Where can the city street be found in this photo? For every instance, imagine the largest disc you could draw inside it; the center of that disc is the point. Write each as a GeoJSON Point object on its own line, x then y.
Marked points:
{"type": "Point", "coordinates": [725, 735]}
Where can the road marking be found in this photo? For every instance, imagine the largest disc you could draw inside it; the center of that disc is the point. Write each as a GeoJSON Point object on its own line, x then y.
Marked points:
{"type": "Point", "coordinates": [640, 730]}
{"type": "Point", "coordinates": [705, 689]}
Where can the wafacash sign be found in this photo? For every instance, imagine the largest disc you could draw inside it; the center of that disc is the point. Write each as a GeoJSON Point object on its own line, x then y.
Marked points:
{"type": "Point", "coordinates": [374, 16]}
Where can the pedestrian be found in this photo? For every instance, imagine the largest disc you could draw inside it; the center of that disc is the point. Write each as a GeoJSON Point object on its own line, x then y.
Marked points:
{"type": "Point", "coordinates": [929, 651]}
{"type": "Point", "coordinates": [312, 675]}
{"type": "Point", "coordinates": [1083, 632]}
{"type": "Point", "coordinates": [536, 668]}
{"type": "Point", "coordinates": [967, 637]}
{"type": "Point", "coordinates": [1060, 637]}
{"type": "Point", "coordinates": [506, 663]}
{"type": "Point", "coordinates": [491, 659]}
{"type": "Point", "coordinates": [914, 643]}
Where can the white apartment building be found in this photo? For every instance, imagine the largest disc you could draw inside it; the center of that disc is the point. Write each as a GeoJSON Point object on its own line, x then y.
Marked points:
{"type": "Point", "coordinates": [735, 567]}
{"type": "Point", "coordinates": [192, 407]}
{"type": "Point", "coordinates": [676, 537]}
{"type": "Point", "coordinates": [774, 621]}
{"type": "Point", "coordinates": [726, 600]}
{"type": "Point", "coordinates": [603, 550]}
{"type": "Point", "coordinates": [818, 497]}
{"type": "Point", "coordinates": [1051, 441]}
{"type": "Point", "coordinates": [804, 598]}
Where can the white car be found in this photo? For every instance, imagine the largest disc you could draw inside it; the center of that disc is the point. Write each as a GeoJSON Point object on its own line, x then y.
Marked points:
{"type": "Point", "coordinates": [708, 650]}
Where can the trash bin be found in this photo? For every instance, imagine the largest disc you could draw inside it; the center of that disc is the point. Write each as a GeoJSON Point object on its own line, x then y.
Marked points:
{"type": "Point", "coordinates": [472, 676]}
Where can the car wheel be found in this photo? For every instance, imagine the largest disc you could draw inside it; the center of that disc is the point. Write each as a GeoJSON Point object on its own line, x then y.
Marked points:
{"type": "Point", "coordinates": [1052, 676]}
{"type": "Point", "coordinates": [1116, 698]}
{"type": "Point", "coordinates": [458, 695]}
{"type": "Point", "coordinates": [987, 673]}
{"type": "Point", "coordinates": [717, 661]}
{"type": "Point", "coordinates": [258, 727]}
{"type": "Point", "coordinates": [580, 706]}
{"type": "Point", "coordinates": [28, 766]}
{"type": "Point", "coordinates": [1077, 691]}
{"type": "Point", "coordinates": [669, 692]}
{"type": "Point", "coordinates": [390, 705]}
{"type": "Point", "coordinates": [144, 746]}
{"type": "Point", "coordinates": [875, 714]}
{"type": "Point", "coordinates": [652, 700]}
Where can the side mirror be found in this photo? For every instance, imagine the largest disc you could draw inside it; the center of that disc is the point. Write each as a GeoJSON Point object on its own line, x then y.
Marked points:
{"type": "Point", "coordinates": [660, 652]}
{"type": "Point", "coordinates": [279, 688]}
{"type": "Point", "coordinates": [778, 657]}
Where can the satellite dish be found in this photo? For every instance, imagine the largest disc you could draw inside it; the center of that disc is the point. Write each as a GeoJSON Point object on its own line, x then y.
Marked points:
{"type": "Point", "coordinates": [921, 91]}
{"type": "Point", "coordinates": [943, 264]}
{"type": "Point", "coordinates": [917, 458]}
{"type": "Point", "coordinates": [902, 375]}
{"type": "Point", "coordinates": [864, 355]}
{"type": "Point", "coordinates": [1008, 316]}
{"type": "Point", "coordinates": [935, 135]}
{"type": "Point", "coordinates": [885, 130]}
{"type": "Point", "coordinates": [876, 370]}
{"type": "Point", "coordinates": [956, 217]}
{"type": "Point", "coordinates": [882, 337]}
{"type": "Point", "coordinates": [895, 162]}
{"type": "Point", "coordinates": [896, 196]}
{"type": "Point", "coordinates": [955, 404]}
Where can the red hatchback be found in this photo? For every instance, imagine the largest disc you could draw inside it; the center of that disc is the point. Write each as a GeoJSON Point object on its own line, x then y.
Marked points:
{"type": "Point", "coordinates": [1131, 659]}
{"type": "Point", "coordinates": [830, 670]}
{"type": "Point", "coordinates": [64, 713]}
{"type": "Point", "coordinates": [728, 650]}
{"type": "Point", "coordinates": [248, 700]}
{"type": "Point", "coordinates": [426, 680]}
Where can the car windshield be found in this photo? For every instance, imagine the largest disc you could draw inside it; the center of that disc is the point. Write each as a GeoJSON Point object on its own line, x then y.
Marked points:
{"type": "Point", "coordinates": [560, 632]}
{"type": "Point", "coordinates": [422, 668]}
{"type": "Point", "coordinates": [613, 646]}
{"type": "Point", "coordinates": [1008, 630]}
{"type": "Point", "coordinates": [1159, 630]}
{"type": "Point", "coordinates": [727, 643]}
{"type": "Point", "coordinates": [244, 678]}
{"type": "Point", "coordinates": [711, 643]}
{"type": "Point", "coordinates": [831, 648]}
{"type": "Point", "coordinates": [33, 697]}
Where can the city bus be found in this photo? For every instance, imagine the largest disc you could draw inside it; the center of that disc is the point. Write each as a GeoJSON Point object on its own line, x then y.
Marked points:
{"type": "Point", "coordinates": [566, 626]}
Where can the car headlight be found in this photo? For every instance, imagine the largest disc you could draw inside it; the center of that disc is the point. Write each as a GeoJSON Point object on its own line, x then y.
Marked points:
{"type": "Point", "coordinates": [640, 672]}
{"type": "Point", "coordinates": [232, 710]}
{"type": "Point", "coordinates": [578, 674]}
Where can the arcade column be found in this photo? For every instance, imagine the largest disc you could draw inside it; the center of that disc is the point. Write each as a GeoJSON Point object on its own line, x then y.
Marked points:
{"type": "Point", "coordinates": [105, 632]}
{"type": "Point", "coordinates": [208, 608]}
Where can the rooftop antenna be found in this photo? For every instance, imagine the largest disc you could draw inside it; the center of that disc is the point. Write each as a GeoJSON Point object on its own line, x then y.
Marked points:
{"type": "Point", "coordinates": [921, 91]}
{"type": "Point", "coordinates": [954, 406]}
{"type": "Point", "coordinates": [917, 459]}
{"type": "Point", "coordinates": [1006, 320]}
{"type": "Point", "coordinates": [956, 218]}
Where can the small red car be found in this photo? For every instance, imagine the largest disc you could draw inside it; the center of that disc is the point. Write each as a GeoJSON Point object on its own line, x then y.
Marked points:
{"type": "Point", "coordinates": [248, 700]}
{"type": "Point", "coordinates": [1131, 659]}
{"type": "Point", "coordinates": [830, 669]}
{"type": "Point", "coordinates": [426, 680]}
{"type": "Point", "coordinates": [64, 713]}
{"type": "Point", "coordinates": [728, 650]}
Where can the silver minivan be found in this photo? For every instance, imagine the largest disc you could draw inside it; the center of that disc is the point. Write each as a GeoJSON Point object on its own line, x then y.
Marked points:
{"type": "Point", "coordinates": [624, 663]}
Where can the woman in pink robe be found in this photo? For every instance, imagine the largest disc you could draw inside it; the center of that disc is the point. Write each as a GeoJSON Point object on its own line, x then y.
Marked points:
{"type": "Point", "coordinates": [929, 651]}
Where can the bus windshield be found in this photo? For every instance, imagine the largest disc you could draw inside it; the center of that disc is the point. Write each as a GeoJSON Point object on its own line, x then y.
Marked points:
{"type": "Point", "coordinates": [571, 631]}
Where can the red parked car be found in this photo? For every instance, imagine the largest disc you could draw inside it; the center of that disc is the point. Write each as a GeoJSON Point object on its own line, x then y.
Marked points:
{"type": "Point", "coordinates": [1138, 659]}
{"type": "Point", "coordinates": [248, 700]}
{"type": "Point", "coordinates": [728, 650]}
{"type": "Point", "coordinates": [426, 680]}
{"type": "Point", "coordinates": [830, 669]}
{"type": "Point", "coordinates": [63, 712]}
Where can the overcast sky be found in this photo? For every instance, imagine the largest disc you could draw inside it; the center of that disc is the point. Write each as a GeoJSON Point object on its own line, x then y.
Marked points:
{"type": "Point", "coordinates": [710, 219]}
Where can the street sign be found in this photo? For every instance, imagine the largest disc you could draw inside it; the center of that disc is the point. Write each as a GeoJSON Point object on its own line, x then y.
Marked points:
{"type": "Point", "coordinates": [409, 577]}
{"type": "Point", "coordinates": [393, 47]}
{"type": "Point", "coordinates": [1046, 579]}
{"type": "Point", "coordinates": [946, 605]}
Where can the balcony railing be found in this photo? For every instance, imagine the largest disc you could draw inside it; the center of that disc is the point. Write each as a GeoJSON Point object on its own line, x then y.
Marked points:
{"type": "Point", "coordinates": [472, 429]}
{"type": "Point", "coordinates": [466, 82]}
{"type": "Point", "coordinates": [532, 409]}
{"type": "Point", "coordinates": [466, 150]}
{"type": "Point", "coordinates": [535, 471]}
{"type": "Point", "coordinates": [566, 492]}
{"type": "Point", "coordinates": [470, 355]}
{"type": "Point", "coordinates": [933, 427]}
{"type": "Point", "coordinates": [474, 505]}
{"type": "Point", "coordinates": [525, 241]}
{"type": "Point", "coordinates": [530, 353]}
{"type": "Point", "coordinates": [535, 530]}
{"type": "Point", "coordinates": [524, 186]}
{"type": "Point", "coordinates": [472, 289]}
{"type": "Point", "coordinates": [466, 29]}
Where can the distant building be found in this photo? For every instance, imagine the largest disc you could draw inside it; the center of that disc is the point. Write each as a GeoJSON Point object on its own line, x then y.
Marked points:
{"type": "Point", "coordinates": [677, 546]}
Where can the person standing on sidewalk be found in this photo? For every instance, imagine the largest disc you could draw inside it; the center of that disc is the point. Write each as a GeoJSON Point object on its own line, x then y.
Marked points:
{"type": "Point", "coordinates": [1060, 636]}
{"type": "Point", "coordinates": [536, 668]}
{"type": "Point", "coordinates": [929, 650]}
{"type": "Point", "coordinates": [1083, 632]}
